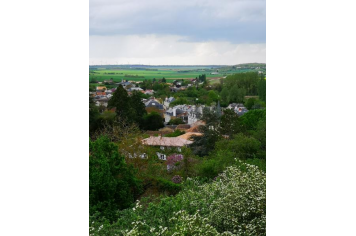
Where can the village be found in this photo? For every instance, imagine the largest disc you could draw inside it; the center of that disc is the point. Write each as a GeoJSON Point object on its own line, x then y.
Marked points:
{"type": "Point", "coordinates": [183, 119]}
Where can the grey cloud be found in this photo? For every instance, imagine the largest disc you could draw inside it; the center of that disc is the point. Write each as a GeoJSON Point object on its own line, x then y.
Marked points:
{"type": "Point", "coordinates": [236, 21]}
{"type": "Point", "coordinates": [170, 50]}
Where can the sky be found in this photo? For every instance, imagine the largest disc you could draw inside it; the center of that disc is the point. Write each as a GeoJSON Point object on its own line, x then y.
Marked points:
{"type": "Point", "coordinates": [177, 32]}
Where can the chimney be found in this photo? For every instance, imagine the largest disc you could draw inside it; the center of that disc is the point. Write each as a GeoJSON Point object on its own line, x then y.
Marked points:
{"type": "Point", "coordinates": [174, 111]}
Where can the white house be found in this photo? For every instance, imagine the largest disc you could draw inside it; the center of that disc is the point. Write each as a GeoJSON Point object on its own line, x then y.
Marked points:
{"type": "Point", "coordinates": [166, 143]}
{"type": "Point", "coordinates": [167, 101]}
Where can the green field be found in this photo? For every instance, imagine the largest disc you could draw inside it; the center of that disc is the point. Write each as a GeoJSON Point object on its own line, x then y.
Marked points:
{"type": "Point", "coordinates": [170, 74]}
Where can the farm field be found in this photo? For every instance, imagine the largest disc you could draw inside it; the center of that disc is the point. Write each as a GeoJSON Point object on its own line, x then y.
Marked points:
{"type": "Point", "coordinates": [169, 73]}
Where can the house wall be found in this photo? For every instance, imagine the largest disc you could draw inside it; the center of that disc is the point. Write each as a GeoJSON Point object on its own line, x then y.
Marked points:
{"type": "Point", "coordinates": [167, 117]}
{"type": "Point", "coordinates": [191, 120]}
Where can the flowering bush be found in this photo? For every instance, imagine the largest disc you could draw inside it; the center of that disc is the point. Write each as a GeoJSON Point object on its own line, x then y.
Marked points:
{"type": "Point", "coordinates": [234, 204]}
{"type": "Point", "coordinates": [174, 161]}
{"type": "Point", "coordinates": [177, 179]}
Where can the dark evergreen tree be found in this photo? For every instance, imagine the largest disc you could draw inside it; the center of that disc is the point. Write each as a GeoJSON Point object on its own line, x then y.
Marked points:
{"type": "Point", "coordinates": [138, 107]}
{"type": "Point", "coordinates": [93, 116]}
{"type": "Point", "coordinates": [112, 183]}
{"type": "Point", "coordinates": [230, 123]}
{"type": "Point", "coordinates": [204, 144]}
{"type": "Point", "coordinates": [262, 89]}
{"type": "Point", "coordinates": [121, 101]}
{"type": "Point", "coordinates": [153, 121]}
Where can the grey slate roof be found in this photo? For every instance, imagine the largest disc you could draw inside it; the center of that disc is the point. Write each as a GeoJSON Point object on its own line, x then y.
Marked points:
{"type": "Point", "coordinates": [153, 103]}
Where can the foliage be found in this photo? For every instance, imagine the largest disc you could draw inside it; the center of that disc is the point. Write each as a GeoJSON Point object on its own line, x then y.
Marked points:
{"type": "Point", "coordinates": [128, 107]}
{"type": "Point", "coordinates": [225, 95]}
{"type": "Point", "coordinates": [175, 121]}
{"type": "Point", "coordinates": [234, 204]}
{"type": "Point", "coordinates": [177, 179]}
{"type": "Point", "coordinates": [167, 186]}
{"type": "Point", "coordinates": [205, 143]}
{"type": "Point", "coordinates": [153, 121]}
{"type": "Point", "coordinates": [112, 184]}
{"type": "Point", "coordinates": [93, 116]}
{"type": "Point", "coordinates": [242, 147]}
{"type": "Point", "coordinates": [249, 103]}
{"type": "Point", "coordinates": [262, 88]}
{"type": "Point", "coordinates": [176, 133]}
{"type": "Point", "coordinates": [250, 119]}
{"type": "Point", "coordinates": [230, 123]}
{"type": "Point", "coordinates": [174, 160]}
{"type": "Point", "coordinates": [179, 101]}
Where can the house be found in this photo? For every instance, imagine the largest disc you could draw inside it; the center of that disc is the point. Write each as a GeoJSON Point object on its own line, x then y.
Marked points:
{"type": "Point", "coordinates": [233, 105]}
{"type": "Point", "coordinates": [135, 89]}
{"type": "Point", "coordinates": [149, 92]}
{"type": "Point", "coordinates": [195, 114]}
{"type": "Point", "coordinates": [102, 101]}
{"type": "Point", "coordinates": [124, 84]}
{"type": "Point", "coordinates": [167, 101]}
{"type": "Point", "coordinates": [180, 111]}
{"type": "Point", "coordinates": [101, 93]}
{"type": "Point", "coordinates": [175, 89]}
{"type": "Point", "coordinates": [110, 81]}
{"type": "Point", "coordinates": [154, 103]}
{"type": "Point", "coordinates": [166, 144]}
{"type": "Point", "coordinates": [101, 88]}
{"type": "Point", "coordinates": [238, 108]}
{"type": "Point", "coordinates": [240, 111]}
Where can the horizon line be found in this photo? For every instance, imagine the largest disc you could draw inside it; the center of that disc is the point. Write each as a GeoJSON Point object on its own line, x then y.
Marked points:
{"type": "Point", "coordinates": [179, 65]}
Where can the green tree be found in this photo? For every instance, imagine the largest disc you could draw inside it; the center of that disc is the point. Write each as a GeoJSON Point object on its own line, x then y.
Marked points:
{"type": "Point", "coordinates": [250, 119]}
{"type": "Point", "coordinates": [250, 103]}
{"type": "Point", "coordinates": [230, 123]}
{"type": "Point", "coordinates": [179, 101]}
{"type": "Point", "coordinates": [224, 95]}
{"type": "Point", "coordinates": [262, 89]}
{"type": "Point", "coordinates": [93, 116]}
{"type": "Point", "coordinates": [164, 80]}
{"type": "Point", "coordinates": [153, 121]}
{"type": "Point", "coordinates": [204, 144]}
{"type": "Point", "coordinates": [130, 108]}
{"type": "Point", "coordinates": [242, 147]}
{"type": "Point", "coordinates": [138, 107]}
{"type": "Point", "coordinates": [213, 96]}
{"type": "Point", "coordinates": [112, 183]}
{"type": "Point", "coordinates": [233, 93]}
{"type": "Point", "coordinates": [121, 101]}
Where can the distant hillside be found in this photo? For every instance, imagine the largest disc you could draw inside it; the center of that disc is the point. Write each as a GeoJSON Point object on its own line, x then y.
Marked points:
{"type": "Point", "coordinates": [250, 66]}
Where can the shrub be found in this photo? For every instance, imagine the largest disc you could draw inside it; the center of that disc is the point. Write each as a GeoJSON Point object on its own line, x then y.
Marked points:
{"type": "Point", "coordinates": [176, 133]}
{"type": "Point", "coordinates": [234, 204]}
{"type": "Point", "coordinates": [177, 179]}
{"type": "Point", "coordinates": [167, 186]}
{"type": "Point", "coordinates": [174, 161]}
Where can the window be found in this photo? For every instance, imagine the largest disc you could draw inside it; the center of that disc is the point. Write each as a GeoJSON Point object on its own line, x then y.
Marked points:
{"type": "Point", "coordinates": [162, 148]}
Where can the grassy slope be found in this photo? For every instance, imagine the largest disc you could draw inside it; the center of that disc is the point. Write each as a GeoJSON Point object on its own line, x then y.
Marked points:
{"type": "Point", "coordinates": [170, 75]}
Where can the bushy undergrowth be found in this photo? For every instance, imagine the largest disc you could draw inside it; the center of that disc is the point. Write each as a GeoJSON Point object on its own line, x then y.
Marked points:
{"type": "Point", "coordinates": [233, 204]}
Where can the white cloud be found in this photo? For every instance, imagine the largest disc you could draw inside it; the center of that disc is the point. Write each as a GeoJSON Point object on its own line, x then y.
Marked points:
{"type": "Point", "coordinates": [170, 50]}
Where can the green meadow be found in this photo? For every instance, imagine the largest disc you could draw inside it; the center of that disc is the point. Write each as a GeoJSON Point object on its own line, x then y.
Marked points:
{"type": "Point", "coordinates": [149, 74]}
